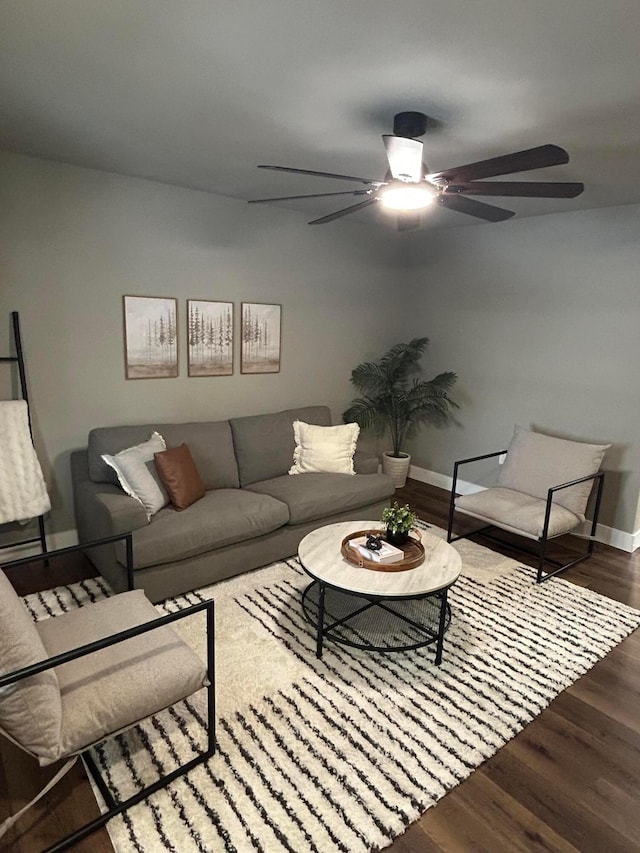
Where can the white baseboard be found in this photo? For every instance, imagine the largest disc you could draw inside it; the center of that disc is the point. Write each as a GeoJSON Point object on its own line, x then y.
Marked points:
{"type": "Point", "coordinates": [607, 535]}
{"type": "Point", "coordinates": [617, 538]}
{"type": "Point", "coordinates": [61, 539]}
{"type": "Point", "coordinates": [442, 481]}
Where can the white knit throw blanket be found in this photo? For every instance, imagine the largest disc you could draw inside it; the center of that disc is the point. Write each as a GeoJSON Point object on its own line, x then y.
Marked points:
{"type": "Point", "coordinates": [23, 494]}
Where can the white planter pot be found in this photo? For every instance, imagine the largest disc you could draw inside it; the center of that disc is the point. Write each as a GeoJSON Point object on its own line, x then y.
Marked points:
{"type": "Point", "coordinates": [397, 467]}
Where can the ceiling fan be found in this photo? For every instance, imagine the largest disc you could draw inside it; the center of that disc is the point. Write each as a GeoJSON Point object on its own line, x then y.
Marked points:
{"type": "Point", "coordinates": [409, 187]}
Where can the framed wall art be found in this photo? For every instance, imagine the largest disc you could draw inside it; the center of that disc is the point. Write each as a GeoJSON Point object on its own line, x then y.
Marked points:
{"type": "Point", "coordinates": [150, 337]}
{"type": "Point", "coordinates": [209, 338]}
{"type": "Point", "coordinates": [260, 338]}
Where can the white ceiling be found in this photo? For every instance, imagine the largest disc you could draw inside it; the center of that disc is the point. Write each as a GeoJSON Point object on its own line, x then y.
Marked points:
{"type": "Point", "coordinates": [199, 92]}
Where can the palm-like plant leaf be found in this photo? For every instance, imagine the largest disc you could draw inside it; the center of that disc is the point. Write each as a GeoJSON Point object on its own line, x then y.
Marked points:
{"type": "Point", "coordinates": [391, 400]}
{"type": "Point", "coordinates": [377, 378]}
{"type": "Point", "coordinates": [364, 411]}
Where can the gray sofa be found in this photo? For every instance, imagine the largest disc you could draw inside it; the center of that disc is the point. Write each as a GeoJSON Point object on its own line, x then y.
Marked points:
{"type": "Point", "coordinates": [252, 513]}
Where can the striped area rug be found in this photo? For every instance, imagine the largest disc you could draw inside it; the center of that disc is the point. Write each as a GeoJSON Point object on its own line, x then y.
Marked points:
{"type": "Point", "coordinates": [344, 753]}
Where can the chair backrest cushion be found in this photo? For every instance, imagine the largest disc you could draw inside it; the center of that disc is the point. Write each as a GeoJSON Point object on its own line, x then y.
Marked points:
{"type": "Point", "coordinates": [31, 709]}
{"type": "Point", "coordinates": [535, 462]}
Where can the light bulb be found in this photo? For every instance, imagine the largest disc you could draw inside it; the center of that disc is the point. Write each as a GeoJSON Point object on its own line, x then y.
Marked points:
{"type": "Point", "coordinates": [407, 196]}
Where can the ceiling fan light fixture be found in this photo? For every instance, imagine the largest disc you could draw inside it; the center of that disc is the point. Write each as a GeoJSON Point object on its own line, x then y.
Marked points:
{"type": "Point", "coordinates": [403, 196]}
{"type": "Point", "coordinates": [405, 157]}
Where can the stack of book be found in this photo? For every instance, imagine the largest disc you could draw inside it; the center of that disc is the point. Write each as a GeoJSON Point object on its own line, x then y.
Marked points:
{"type": "Point", "coordinates": [386, 554]}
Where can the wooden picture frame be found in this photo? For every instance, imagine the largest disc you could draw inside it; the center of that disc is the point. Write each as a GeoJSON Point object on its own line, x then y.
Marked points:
{"type": "Point", "coordinates": [260, 329]}
{"type": "Point", "coordinates": [209, 338]}
{"type": "Point", "coordinates": [150, 337]}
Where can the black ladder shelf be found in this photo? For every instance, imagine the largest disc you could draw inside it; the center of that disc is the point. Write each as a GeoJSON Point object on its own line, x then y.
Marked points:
{"type": "Point", "coordinates": [18, 359]}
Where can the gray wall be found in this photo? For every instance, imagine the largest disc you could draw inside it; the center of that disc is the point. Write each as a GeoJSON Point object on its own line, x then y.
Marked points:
{"type": "Point", "coordinates": [75, 240]}
{"type": "Point", "coordinates": [539, 317]}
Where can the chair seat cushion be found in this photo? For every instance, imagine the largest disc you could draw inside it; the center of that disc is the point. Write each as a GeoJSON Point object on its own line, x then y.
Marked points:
{"type": "Point", "coordinates": [517, 512]}
{"type": "Point", "coordinates": [311, 496]}
{"type": "Point", "coordinates": [222, 517]}
{"type": "Point", "coordinates": [112, 689]}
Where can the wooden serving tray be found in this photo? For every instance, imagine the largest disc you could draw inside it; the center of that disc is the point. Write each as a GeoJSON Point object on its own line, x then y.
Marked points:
{"type": "Point", "coordinates": [413, 553]}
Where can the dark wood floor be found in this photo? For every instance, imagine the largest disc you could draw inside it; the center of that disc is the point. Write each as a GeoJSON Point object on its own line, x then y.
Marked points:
{"type": "Point", "coordinates": [570, 781]}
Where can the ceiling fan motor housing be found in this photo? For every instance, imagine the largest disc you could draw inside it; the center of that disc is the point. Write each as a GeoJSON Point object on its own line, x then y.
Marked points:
{"type": "Point", "coordinates": [410, 124]}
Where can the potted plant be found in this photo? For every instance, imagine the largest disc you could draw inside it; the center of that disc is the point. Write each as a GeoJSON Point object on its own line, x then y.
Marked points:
{"type": "Point", "coordinates": [399, 521]}
{"type": "Point", "coordinates": [396, 399]}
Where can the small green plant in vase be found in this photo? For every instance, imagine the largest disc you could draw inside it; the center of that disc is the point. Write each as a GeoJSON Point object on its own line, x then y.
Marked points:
{"type": "Point", "coordinates": [399, 521]}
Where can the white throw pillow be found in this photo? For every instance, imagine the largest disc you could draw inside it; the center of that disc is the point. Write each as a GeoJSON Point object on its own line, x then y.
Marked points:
{"type": "Point", "coordinates": [137, 473]}
{"type": "Point", "coordinates": [327, 449]}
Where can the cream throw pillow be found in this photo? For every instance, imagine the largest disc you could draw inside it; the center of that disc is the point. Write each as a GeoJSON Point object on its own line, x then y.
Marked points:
{"type": "Point", "coordinates": [137, 473]}
{"type": "Point", "coordinates": [327, 449]}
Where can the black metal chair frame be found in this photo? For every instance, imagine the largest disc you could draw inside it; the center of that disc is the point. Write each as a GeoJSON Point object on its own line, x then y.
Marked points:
{"type": "Point", "coordinates": [541, 553]}
{"type": "Point", "coordinates": [113, 807]}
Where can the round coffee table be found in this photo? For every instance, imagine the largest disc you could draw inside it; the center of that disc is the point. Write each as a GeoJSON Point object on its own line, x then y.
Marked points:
{"type": "Point", "coordinates": [375, 610]}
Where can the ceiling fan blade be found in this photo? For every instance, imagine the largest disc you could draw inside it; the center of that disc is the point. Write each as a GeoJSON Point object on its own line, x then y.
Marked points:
{"type": "Point", "coordinates": [331, 216]}
{"type": "Point", "coordinates": [475, 208]}
{"type": "Point", "coordinates": [314, 195]}
{"type": "Point", "coordinates": [404, 156]}
{"type": "Point", "coordinates": [522, 189]}
{"type": "Point", "coordinates": [409, 221]}
{"type": "Point", "coordinates": [323, 175]}
{"type": "Point", "coordinates": [520, 161]}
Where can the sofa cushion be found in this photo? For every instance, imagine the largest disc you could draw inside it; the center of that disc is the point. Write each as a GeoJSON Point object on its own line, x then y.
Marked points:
{"type": "Point", "coordinates": [222, 517]}
{"type": "Point", "coordinates": [210, 443]}
{"type": "Point", "coordinates": [179, 476]}
{"type": "Point", "coordinates": [324, 449]}
{"type": "Point", "coordinates": [264, 444]}
{"type": "Point", "coordinates": [535, 462]}
{"type": "Point", "coordinates": [318, 495]}
{"type": "Point", "coordinates": [517, 512]}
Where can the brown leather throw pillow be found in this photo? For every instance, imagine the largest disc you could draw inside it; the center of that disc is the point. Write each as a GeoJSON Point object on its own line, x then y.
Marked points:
{"type": "Point", "coordinates": [179, 476]}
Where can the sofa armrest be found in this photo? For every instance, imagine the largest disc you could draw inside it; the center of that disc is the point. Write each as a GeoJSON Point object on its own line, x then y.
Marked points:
{"type": "Point", "coordinates": [101, 509]}
{"type": "Point", "coordinates": [104, 510]}
{"type": "Point", "coordinates": [121, 511]}
{"type": "Point", "coordinates": [365, 463]}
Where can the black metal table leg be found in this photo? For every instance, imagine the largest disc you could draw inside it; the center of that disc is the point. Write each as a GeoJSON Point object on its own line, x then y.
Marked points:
{"type": "Point", "coordinates": [321, 592]}
{"type": "Point", "coordinates": [441, 626]}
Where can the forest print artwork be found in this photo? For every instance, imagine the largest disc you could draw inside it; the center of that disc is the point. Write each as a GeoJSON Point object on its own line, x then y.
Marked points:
{"type": "Point", "coordinates": [260, 338]}
{"type": "Point", "coordinates": [210, 338]}
{"type": "Point", "coordinates": [151, 337]}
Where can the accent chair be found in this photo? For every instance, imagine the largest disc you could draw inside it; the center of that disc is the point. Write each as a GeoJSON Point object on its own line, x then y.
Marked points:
{"type": "Point", "coordinates": [71, 681]}
{"type": "Point", "coordinates": [542, 492]}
